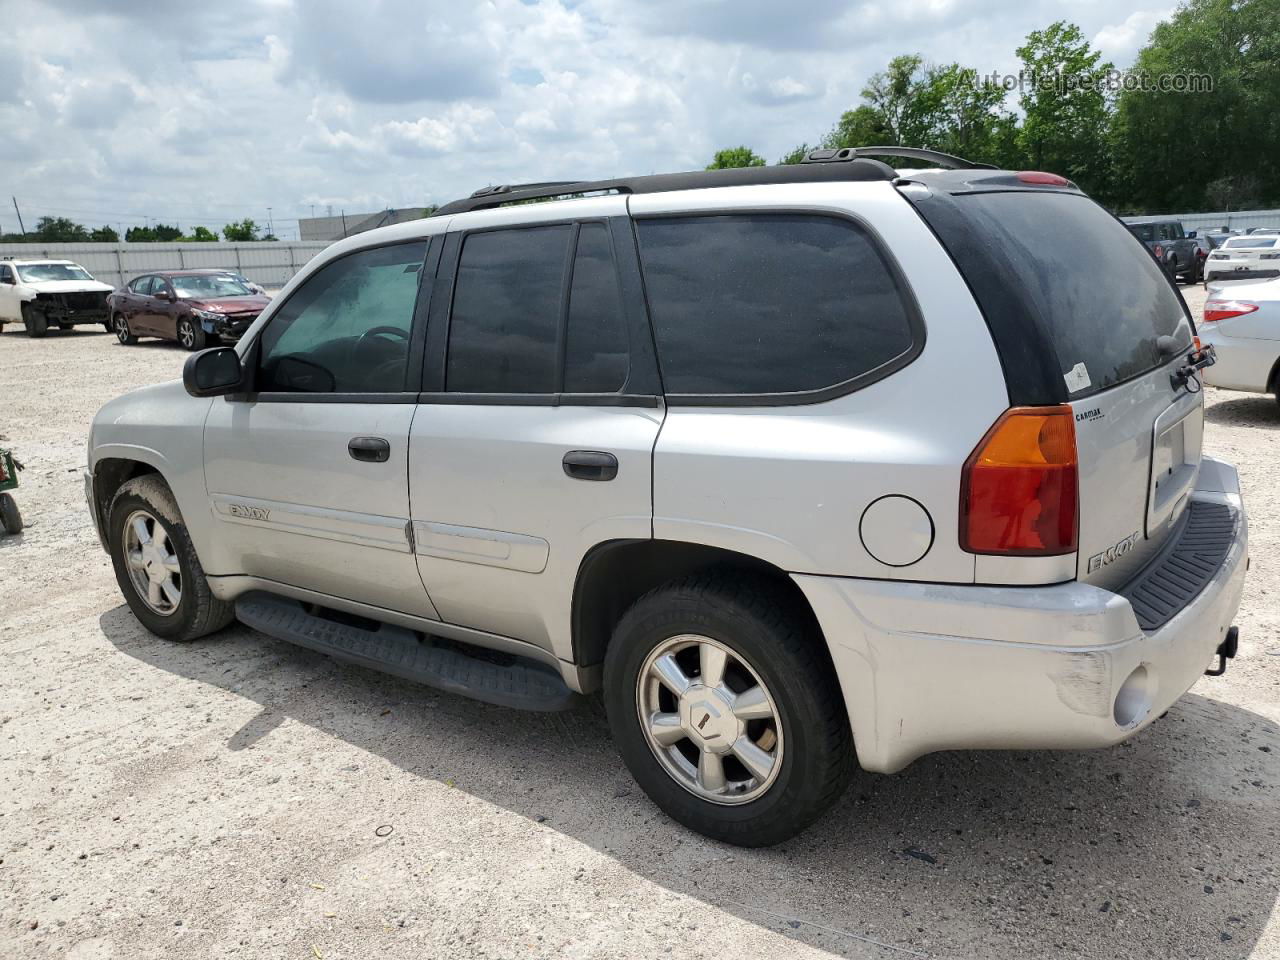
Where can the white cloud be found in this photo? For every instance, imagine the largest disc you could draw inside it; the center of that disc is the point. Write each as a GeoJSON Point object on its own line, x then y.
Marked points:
{"type": "Point", "coordinates": [215, 111]}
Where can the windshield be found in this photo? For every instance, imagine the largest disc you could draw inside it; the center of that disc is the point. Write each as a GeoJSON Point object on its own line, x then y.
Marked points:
{"type": "Point", "coordinates": [39, 272]}
{"type": "Point", "coordinates": [203, 286]}
{"type": "Point", "coordinates": [1250, 243]}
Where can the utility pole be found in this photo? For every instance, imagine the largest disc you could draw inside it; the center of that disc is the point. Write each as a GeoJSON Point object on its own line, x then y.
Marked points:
{"type": "Point", "coordinates": [21, 227]}
{"type": "Point", "coordinates": [271, 227]}
{"type": "Point", "coordinates": [344, 224]}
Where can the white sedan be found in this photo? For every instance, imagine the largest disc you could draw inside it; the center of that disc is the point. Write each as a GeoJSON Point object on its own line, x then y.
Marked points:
{"type": "Point", "coordinates": [1244, 258]}
{"type": "Point", "coordinates": [1242, 321]}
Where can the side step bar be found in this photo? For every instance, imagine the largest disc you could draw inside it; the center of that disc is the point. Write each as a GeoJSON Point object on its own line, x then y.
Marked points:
{"type": "Point", "coordinates": [505, 680]}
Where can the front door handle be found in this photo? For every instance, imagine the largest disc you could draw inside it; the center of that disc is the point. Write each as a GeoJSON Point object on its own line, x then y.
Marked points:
{"type": "Point", "coordinates": [590, 465]}
{"type": "Point", "coordinates": [369, 449]}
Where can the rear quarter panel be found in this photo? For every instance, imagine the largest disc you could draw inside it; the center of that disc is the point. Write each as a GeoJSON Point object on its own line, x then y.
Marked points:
{"type": "Point", "coordinates": [789, 484]}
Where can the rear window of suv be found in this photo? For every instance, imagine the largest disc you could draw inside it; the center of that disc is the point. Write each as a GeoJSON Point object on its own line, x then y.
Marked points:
{"type": "Point", "coordinates": [1060, 262]}
{"type": "Point", "coordinates": [772, 305]}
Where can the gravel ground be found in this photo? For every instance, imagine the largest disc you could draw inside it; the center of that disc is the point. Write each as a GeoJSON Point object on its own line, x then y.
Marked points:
{"type": "Point", "coordinates": [226, 797]}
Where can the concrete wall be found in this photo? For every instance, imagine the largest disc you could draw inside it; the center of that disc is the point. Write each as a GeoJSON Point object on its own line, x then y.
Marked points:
{"type": "Point", "coordinates": [269, 263]}
{"type": "Point", "coordinates": [1239, 220]}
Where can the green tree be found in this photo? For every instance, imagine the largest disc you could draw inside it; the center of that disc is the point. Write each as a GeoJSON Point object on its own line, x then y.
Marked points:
{"type": "Point", "coordinates": [203, 235]}
{"type": "Point", "coordinates": [104, 234]}
{"type": "Point", "coordinates": [863, 126]}
{"type": "Point", "coordinates": [244, 231]}
{"type": "Point", "coordinates": [59, 230]}
{"type": "Point", "coordinates": [795, 154]}
{"type": "Point", "coordinates": [1171, 146]}
{"type": "Point", "coordinates": [736, 157]}
{"type": "Point", "coordinates": [140, 235]}
{"type": "Point", "coordinates": [1067, 115]}
{"type": "Point", "coordinates": [166, 233]}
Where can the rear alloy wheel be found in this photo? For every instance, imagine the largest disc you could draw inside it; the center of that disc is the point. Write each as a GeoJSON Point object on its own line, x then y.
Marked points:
{"type": "Point", "coordinates": [121, 326]}
{"type": "Point", "coordinates": [191, 336]}
{"type": "Point", "coordinates": [724, 704]}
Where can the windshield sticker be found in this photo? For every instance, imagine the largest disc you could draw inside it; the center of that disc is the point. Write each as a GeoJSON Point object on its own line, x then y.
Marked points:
{"type": "Point", "coordinates": [1077, 378]}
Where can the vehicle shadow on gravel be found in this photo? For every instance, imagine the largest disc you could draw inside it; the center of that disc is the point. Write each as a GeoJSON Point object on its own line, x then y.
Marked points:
{"type": "Point", "coordinates": [1162, 847]}
{"type": "Point", "coordinates": [1256, 411]}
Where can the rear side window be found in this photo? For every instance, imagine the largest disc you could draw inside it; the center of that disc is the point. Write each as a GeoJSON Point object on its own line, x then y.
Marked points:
{"type": "Point", "coordinates": [1060, 263]}
{"type": "Point", "coordinates": [506, 311]}
{"type": "Point", "coordinates": [1145, 232]}
{"type": "Point", "coordinates": [768, 304]}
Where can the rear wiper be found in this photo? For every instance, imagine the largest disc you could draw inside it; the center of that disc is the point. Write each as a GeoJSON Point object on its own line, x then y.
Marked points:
{"type": "Point", "coordinates": [1196, 360]}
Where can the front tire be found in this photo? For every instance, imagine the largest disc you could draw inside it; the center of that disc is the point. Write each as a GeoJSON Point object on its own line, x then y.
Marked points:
{"type": "Point", "coordinates": [724, 705]}
{"type": "Point", "coordinates": [35, 321]}
{"type": "Point", "coordinates": [120, 325]}
{"type": "Point", "coordinates": [156, 564]}
{"type": "Point", "coordinates": [191, 335]}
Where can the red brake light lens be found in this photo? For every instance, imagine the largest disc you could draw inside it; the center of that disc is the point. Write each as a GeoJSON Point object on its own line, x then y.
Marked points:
{"type": "Point", "coordinates": [1215, 310]}
{"type": "Point", "coordinates": [1043, 179]}
{"type": "Point", "coordinates": [1019, 488]}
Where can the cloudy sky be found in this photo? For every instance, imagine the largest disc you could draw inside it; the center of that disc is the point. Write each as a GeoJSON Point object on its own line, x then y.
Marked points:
{"type": "Point", "coordinates": [115, 111]}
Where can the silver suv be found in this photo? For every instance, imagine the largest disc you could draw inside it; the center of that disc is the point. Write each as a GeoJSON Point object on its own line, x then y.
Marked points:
{"type": "Point", "coordinates": [793, 465]}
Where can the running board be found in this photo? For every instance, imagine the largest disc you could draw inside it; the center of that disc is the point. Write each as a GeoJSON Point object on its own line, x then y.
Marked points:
{"type": "Point", "coordinates": [492, 677]}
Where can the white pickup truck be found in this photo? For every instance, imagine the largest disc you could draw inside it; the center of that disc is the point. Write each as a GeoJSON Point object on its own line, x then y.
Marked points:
{"type": "Point", "coordinates": [44, 293]}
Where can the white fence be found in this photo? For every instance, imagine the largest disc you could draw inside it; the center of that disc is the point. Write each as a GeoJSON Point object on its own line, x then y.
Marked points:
{"type": "Point", "coordinates": [1240, 220]}
{"type": "Point", "coordinates": [269, 263]}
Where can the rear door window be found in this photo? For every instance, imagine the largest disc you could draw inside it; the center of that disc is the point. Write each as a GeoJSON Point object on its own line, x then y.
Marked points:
{"type": "Point", "coordinates": [772, 304]}
{"type": "Point", "coordinates": [505, 322]}
{"type": "Point", "coordinates": [596, 351]}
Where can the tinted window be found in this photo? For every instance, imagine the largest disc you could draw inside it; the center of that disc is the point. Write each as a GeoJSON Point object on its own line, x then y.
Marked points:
{"type": "Point", "coordinates": [346, 329]}
{"type": "Point", "coordinates": [596, 359]}
{"type": "Point", "coordinates": [506, 311]}
{"type": "Point", "coordinates": [1104, 306]}
{"type": "Point", "coordinates": [6, 273]}
{"type": "Point", "coordinates": [768, 303]}
{"type": "Point", "coordinates": [142, 285]}
{"type": "Point", "coordinates": [1143, 231]}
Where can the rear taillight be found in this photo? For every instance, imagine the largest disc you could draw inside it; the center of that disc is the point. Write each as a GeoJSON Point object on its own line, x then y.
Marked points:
{"type": "Point", "coordinates": [1018, 491]}
{"type": "Point", "coordinates": [1215, 310]}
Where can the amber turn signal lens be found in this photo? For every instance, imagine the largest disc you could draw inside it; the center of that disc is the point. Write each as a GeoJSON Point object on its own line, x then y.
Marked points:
{"type": "Point", "coordinates": [1019, 488]}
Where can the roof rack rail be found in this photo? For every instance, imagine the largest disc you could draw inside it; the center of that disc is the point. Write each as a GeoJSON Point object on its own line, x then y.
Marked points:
{"type": "Point", "coordinates": [946, 160]}
{"type": "Point", "coordinates": [858, 168]}
{"type": "Point", "coordinates": [509, 187]}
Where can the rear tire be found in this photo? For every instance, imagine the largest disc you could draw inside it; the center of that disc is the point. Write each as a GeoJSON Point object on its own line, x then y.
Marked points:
{"type": "Point", "coordinates": [775, 655]}
{"type": "Point", "coordinates": [10, 516]}
{"type": "Point", "coordinates": [121, 327]}
{"type": "Point", "coordinates": [156, 564]}
{"type": "Point", "coordinates": [35, 321]}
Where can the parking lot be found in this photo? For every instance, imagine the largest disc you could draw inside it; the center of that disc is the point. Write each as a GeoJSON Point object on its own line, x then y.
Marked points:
{"type": "Point", "coordinates": [239, 796]}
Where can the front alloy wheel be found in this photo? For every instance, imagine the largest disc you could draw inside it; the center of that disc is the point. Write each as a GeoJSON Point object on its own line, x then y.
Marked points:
{"type": "Point", "coordinates": [153, 564]}
{"type": "Point", "coordinates": [121, 327]}
{"type": "Point", "coordinates": [709, 719]}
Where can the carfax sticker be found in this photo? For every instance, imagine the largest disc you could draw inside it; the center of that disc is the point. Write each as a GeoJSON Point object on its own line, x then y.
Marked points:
{"type": "Point", "coordinates": [1077, 378]}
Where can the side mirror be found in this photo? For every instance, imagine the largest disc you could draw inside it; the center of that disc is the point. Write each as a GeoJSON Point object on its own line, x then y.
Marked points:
{"type": "Point", "coordinates": [163, 295]}
{"type": "Point", "coordinates": [1191, 234]}
{"type": "Point", "coordinates": [212, 373]}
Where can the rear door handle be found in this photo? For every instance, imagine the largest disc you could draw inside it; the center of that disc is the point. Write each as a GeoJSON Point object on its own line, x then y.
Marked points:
{"type": "Point", "coordinates": [369, 449]}
{"type": "Point", "coordinates": [590, 465]}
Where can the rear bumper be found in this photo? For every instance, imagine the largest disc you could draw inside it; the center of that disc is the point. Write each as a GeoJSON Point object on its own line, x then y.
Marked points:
{"type": "Point", "coordinates": [1228, 272]}
{"type": "Point", "coordinates": [1241, 364]}
{"type": "Point", "coordinates": [928, 667]}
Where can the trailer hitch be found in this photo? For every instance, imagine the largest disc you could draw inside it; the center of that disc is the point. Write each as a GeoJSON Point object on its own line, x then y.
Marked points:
{"type": "Point", "coordinates": [1226, 651]}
